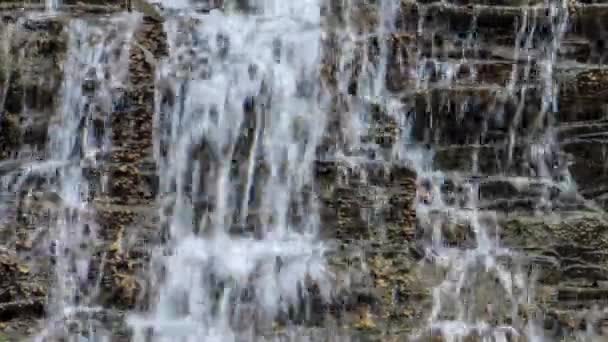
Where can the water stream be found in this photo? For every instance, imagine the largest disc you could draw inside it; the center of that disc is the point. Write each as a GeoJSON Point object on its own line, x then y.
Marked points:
{"type": "Point", "coordinates": [95, 68]}
{"type": "Point", "coordinates": [486, 286]}
{"type": "Point", "coordinates": [51, 5]}
{"type": "Point", "coordinates": [235, 149]}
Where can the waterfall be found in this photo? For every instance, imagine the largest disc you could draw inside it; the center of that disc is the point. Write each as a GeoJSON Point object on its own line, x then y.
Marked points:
{"type": "Point", "coordinates": [192, 179]}
{"type": "Point", "coordinates": [51, 5]}
{"type": "Point", "coordinates": [485, 285]}
{"type": "Point", "coordinates": [96, 65]}
{"type": "Point", "coordinates": [239, 117]}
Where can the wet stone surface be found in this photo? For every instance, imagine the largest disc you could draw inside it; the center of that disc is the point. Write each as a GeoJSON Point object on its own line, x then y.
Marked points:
{"type": "Point", "coordinates": [367, 212]}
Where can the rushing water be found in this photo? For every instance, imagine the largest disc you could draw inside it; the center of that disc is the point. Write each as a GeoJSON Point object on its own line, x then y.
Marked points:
{"type": "Point", "coordinates": [235, 150]}
{"type": "Point", "coordinates": [52, 5]}
{"type": "Point", "coordinates": [486, 285]}
{"type": "Point", "coordinates": [242, 111]}
{"type": "Point", "coordinates": [94, 69]}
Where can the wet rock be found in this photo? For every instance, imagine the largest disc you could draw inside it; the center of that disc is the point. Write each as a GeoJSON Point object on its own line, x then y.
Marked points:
{"type": "Point", "coordinates": [149, 10]}
{"type": "Point", "coordinates": [24, 289]}
{"type": "Point", "coordinates": [369, 211]}
{"type": "Point", "coordinates": [391, 286]}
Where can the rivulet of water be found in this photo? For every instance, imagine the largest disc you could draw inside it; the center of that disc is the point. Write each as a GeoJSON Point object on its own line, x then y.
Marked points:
{"type": "Point", "coordinates": [486, 291]}
{"type": "Point", "coordinates": [486, 287]}
{"type": "Point", "coordinates": [239, 117]}
{"type": "Point", "coordinates": [96, 65]}
{"type": "Point", "coordinates": [52, 5]}
{"type": "Point", "coordinates": [8, 31]}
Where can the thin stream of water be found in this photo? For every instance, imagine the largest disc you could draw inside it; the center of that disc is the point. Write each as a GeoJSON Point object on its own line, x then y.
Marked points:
{"type": "Point", "coordinates": [96, 65]}
{"type": "Point", "coordinates": [466, 303]}
{"type": "Point", "coordinates": [52, 5]}
{"type": "Point", "coordinates": [480, 295]}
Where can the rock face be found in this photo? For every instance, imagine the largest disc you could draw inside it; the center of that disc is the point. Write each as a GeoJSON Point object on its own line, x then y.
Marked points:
{"type": "Point", "coordinates": [29, 50]}
{"type": "Point", "coordinates": [131, 172]}
{"type": "Point", "coordinates": [477, 109]}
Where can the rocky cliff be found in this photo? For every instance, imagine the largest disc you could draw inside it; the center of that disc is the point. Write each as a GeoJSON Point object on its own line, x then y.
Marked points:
{"type": "Point", "coordinates": [478, 110]}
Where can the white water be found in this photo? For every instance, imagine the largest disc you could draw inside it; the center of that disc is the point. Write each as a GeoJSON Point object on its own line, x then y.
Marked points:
{"type": "Point", "coordinates": [479, 288]}
{"type": "Point", "coordinates": [235, 148]}
{"type": "Point", "coordinates": [52, 5]}
{"type": "Point", "coordinates": [95, 66]}
{"type": "Point", "coordinates": [482, 295]}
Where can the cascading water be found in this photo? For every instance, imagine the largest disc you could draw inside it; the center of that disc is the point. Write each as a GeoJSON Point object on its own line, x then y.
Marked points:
{"type": "Point", "coordinates": [485, 286]}
{"type": "Point", "coordinates": [242, 113]}
{"type": "Point", "coordinates": [95, 68]}
{"type": "Point", "coordinates": [486, 290]}
{"type": "Point", "coordinates": [239, 118]}
{"type": "Point", "coordinates": [7, 33]}
{"type": "Point", "coordinates": [52, 5]}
